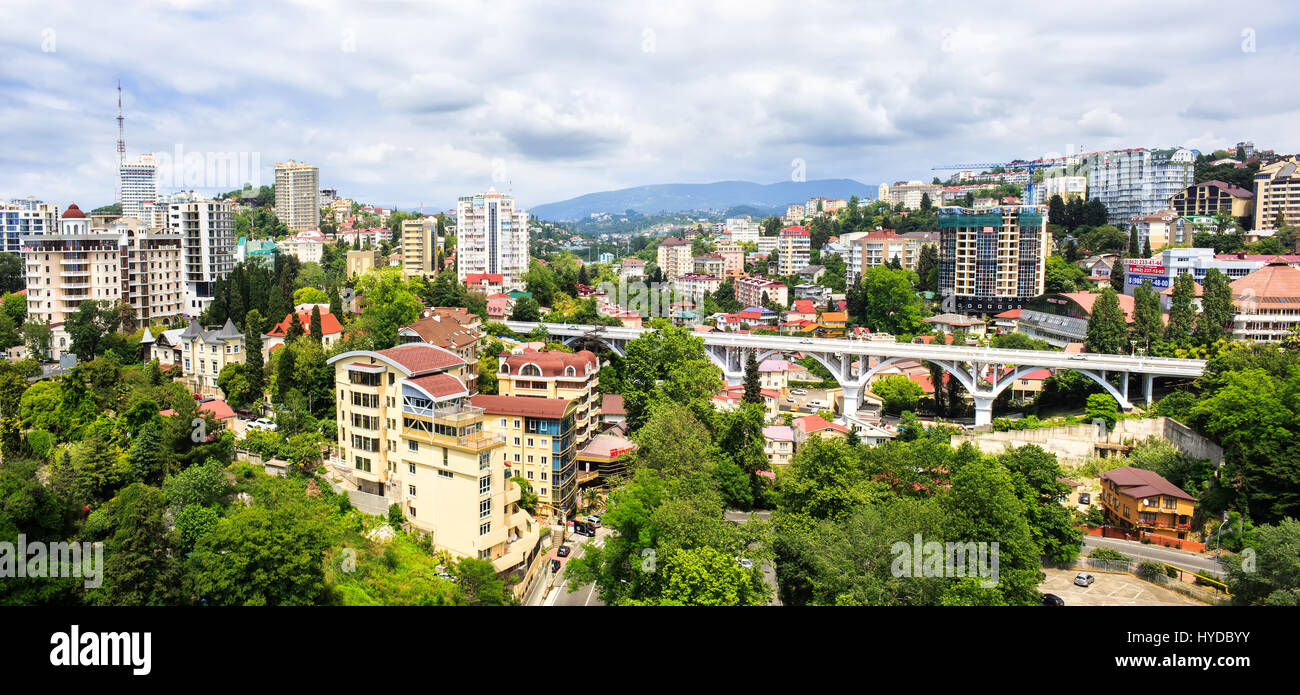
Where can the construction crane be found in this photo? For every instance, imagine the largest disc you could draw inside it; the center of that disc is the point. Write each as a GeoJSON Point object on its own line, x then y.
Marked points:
{"type": "Point", "coordinates": [1030, 166]}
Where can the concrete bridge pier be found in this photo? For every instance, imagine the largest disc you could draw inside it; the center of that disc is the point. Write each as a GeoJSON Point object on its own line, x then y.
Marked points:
{"type": "Point", "coordinates": [983, 409]}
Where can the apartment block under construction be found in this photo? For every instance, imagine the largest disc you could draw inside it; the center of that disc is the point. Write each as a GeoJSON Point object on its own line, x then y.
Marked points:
{"type": "Point", "coordinates": [991, 259]}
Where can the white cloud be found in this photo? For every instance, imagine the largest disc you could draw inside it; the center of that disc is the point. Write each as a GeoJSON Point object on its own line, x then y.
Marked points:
{"type": "Point", "coordinates": [403, 103]}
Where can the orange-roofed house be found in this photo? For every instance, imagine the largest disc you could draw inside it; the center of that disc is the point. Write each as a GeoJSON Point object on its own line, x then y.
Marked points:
{"type": "Point", "coordinates": [816, 425]}
{"type": "Point", "coordinates": [331, 330]}
{"type": "Point", "coordinates": [1139, 499]}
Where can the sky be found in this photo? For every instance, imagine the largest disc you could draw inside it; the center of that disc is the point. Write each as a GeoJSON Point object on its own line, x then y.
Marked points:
{"type": "Point", "coordinates": [410, 103]}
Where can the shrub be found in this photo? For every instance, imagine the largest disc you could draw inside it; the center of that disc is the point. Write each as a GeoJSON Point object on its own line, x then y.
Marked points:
{"type": "Point", "coordinates": [1109, 554]}
{"type": "Point", "coordinates": [1150, 571]}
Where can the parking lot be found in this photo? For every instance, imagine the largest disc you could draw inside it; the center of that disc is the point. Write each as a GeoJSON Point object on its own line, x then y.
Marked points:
{"type": "Point", "coordinates": [1110, 590]}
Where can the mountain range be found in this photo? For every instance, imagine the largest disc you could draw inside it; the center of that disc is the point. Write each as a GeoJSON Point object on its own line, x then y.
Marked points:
{"type": "Point", "coordinates": [684, 197]}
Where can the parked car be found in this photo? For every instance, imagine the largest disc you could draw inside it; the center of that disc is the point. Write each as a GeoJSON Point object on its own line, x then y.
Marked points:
{"type": "Point", "coordinates": [563, 551]}
{"type": "Point", "coordinates": [555, 565]}
{"type": "Point", "coordinates": [745, 562]}
{"type": "Point", "coordinates": [1053, 600]}
{"type": "Point", "coordinates": [262, 423]}
{"type": "Point", "coordinates": [1084, 579]}
{"type": "Point", "coordinates": [799, 392]}
{"type": "Point", "coordinates": [806, 341]}
{"type": "Point", "coordinates": [1077, 357]}
{"type": "Point", "coordinates": [593, 519]}
{"type": "Point", "coordinates": [1085, 498]}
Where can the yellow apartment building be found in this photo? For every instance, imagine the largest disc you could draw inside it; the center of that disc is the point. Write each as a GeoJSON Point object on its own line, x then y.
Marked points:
{"type": "Point", "coordinates": [570, 376]}
{"type": "Point", "coordinates": [407, 431]}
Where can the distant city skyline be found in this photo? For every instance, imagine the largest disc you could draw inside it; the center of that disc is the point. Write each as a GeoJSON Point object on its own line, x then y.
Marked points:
{"type": "Point", "coordinates": [550, 101]}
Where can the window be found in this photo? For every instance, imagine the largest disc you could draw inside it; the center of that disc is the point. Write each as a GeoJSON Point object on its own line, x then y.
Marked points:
{"type": "Point", "coordinates": [410, 490]}
{"type": "Point", "coordinates": [411, 468]}
{"type": "Point", "coordinates": [516, 441]}
{"type": "Point", "coordinates": [530, 458]}
{"type": "Point", "coordinates": [485, 529]}
{"type": "Point", "coordinates": [412, 511]}
{"type": "Point", "coordinates": [363, 464]}
{"type": "Point", "coordinates": [543, 492]}
{"type": "Point", "coordinates": [516, 423]}
{"type": "Point", "coordinates": [485, 485]}
{"type": "Point", "coordinates": [517, 458]}
{"type": "Point", "coordinates": [530, 475]}
{"type": "Point", "coordinates": [484, 460]}
{"type": "Point", "coordinates": [412, 445]}
{"type": "Point", "coordinates": [485, 509]}
{"type": "Point", "coordinates": [445, 474]}
{"type": "Point", "coordinates": [530, 441]}
{"type": "Point", "coordinates": [503, 423]}
{"type": "Point", "coordinates": [543, 460]}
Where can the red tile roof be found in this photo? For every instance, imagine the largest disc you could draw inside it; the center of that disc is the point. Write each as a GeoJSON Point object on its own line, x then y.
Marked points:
{"type": "Point", "coordinates": [553, 363]}
{"type": "Point", "coordinates": [440, 385]}
{"type": "Point", "coordinates": [422, 358]}
{"type": "Point", "coordinates": [219, 409]}
{"type": "Point", "coordinates": [1140, 483]}
{"type": "Point", "coordinates": [551, 408]}
{"type": "Point", "coordinates": [816, 423]}
{"type": "Point", "coordinates": [612, 404]}
{"type": "Point", "coordinates": [328, 324]}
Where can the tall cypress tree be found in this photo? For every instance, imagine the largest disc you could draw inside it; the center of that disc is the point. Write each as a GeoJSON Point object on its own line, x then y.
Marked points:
{"type": "Point", "coordinates": [253, 370]}
{"type": "Point", "coordinates": [1216, 308]}
{"type": "Point", "coordinates": [1117, 276]}
{"type": "Point", "coordinates": [294, 331]}
{"type": "Point", "coordinates": [317, 334]}
{"type": "Point", "coordinates": [1146, 315]}
{"type": "Point", "coordinates": [1133, 247]}
{"type": "Point", "coordinates": [753, 387]}
{"type": "Point", "coordinates": [1182, 314]}
{"type": "Point", "coordinates": [1107, 329]}
{"type": "Point", "coordinates": [284, 369]}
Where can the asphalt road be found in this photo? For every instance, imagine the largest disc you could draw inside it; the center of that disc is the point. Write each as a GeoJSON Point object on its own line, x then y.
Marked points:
{"type": "Point", "coordinates": [1156, 553]}
{"type": "Point", "coordinates": [585, 595]}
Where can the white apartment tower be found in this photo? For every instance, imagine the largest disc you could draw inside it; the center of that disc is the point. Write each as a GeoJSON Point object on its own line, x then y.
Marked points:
{"type": "Point", "coordinates": [139, 184]}
{"type": "Point", "coordinates": [297, 195]}
{"type": "Point", "coordinates": [1137, 183]}
{"type": "Point", "coordinates": [207, 231]}
{"type": "Point", "coordinates": [491, 237]}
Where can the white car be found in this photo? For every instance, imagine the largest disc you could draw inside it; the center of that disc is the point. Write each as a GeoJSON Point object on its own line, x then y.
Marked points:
{"type": "Point", "coordinates": [799, 392]}
{"type": "Point", "coordinates": [1083, 579]}
{"type": "Point", "coordinates": [806, 341]}
{"type": "Point", "coordinates": [1077, 357]}
{"type": "Point", "coordinates": [745, 562]}
{"type": "Point", "coordinates": [262, 423]}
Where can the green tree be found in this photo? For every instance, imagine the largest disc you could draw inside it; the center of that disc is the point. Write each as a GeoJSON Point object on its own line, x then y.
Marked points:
{"type": "Point", "coordinates": [897, 393]}
{"type": "Point", "coordinates": [1148, 326]}
{"type": "Point", "coordinates": [139, 568]}
{"type": "Point", "coordinates": [1117, 276]}
{"type": "Point", "coordinates": [391, 302]}
{"type": "Point", "coordinates": [253, 369]}
{"type": "Point", "coordinates": [146, 459]}
{"type": "Point", "coordinates": [262, 557]}
{"type": "Point", "coordinates": [887, 302]}
{"type": "Point", "coordinates": [1274, 579]}
{"type": "Point", "coordinates": [1107, 328]}
{"type": "Point", "coordinates": [667, 364]}
{"type": "Point", "coordinates": [1182, 314]}
{"type": "Point", "coordinates": [707, 577]}
{"type": "Point", "coordinates": [317, 333]}
{"type": "Point", "coordinates": [1215, 321]}
{"type": "Point", "coordinates": [753, 387]}
{"type": "Point", "coordinates": [1102, 407]}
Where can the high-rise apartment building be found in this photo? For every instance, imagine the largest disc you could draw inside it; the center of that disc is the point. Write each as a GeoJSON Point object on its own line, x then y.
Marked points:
{"type": "Point", "coordinates": [297, 195]}
{"type": "Point", "coordinates": [25, 217]}
{"type": "Point", "coordinates": [1277, 189]}
{"type": "Point", "coordinates": [139, 184]}
{"type": "Point", "coordinates": [207, 231]}
{"type": "Point", "coordinates": [122, 262]}
{"type": "Point", "coordinates": [1138, 182]}
{"type": "Point", "coordinates": [420, 247]}
{"type": "Point", "coordinates": [742, 229]}
{"type": "Point", "coordinates": [991, 259]}
{"type": "Point", "coordinates": [674, 257]}
{"type": "Point", "coordinates": [408, 431]}
{"type": "Point", "coordinates": [909, 193]}
{"type": "Point", "coordinates": [793, 248]}
{"type": "Point", "coordinates": [491, 237]}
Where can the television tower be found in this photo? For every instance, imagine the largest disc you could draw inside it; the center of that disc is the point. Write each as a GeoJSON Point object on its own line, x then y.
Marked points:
{"type": "Point", "coordinates": [121, 141]}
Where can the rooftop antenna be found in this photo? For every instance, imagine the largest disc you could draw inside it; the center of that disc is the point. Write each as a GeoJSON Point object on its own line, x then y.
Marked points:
{"type": "Point", "coordinates": [121, 141]}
